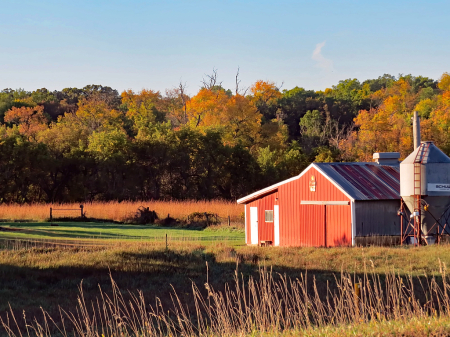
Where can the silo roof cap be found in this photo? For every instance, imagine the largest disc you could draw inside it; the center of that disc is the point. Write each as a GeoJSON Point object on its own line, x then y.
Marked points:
{"type": "Point", "coordinates": [433, 155]}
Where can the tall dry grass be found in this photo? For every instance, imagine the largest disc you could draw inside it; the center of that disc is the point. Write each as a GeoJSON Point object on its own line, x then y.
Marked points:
{"type": "Point", "coordinates": [120, 211]}
{"type": "Point", "coordinates": [270, 304]}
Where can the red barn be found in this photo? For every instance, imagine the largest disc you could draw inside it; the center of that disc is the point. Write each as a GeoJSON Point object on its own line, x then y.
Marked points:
{"type": "Point", "coordinates": [328, 204]}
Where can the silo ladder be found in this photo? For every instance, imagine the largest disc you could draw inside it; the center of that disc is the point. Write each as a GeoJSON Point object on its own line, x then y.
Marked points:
{"type": "Point", "coordinates": [418, 161]}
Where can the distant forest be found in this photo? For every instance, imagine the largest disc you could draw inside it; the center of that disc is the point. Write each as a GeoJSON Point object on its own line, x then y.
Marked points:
{"type": "Point", "coordinates": [95, 143]}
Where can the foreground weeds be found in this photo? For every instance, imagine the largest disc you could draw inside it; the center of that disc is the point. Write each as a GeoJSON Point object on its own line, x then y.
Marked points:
{"type": "Point", "coordinates": [268, 304]}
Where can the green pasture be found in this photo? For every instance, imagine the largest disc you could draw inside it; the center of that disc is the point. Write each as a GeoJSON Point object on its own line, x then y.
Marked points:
{"type": "Point", "coordinates": [113, 231]}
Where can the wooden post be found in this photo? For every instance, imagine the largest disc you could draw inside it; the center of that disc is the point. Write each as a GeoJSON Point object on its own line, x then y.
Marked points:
{"type": "Point", "coordinates": [229, 221]}
{"type": "Point", "coordinates": [167, 247]}
{"type": "Point", "coordinates": [357, 295]}
{"type": "Point", "coordinates": [81, 208]}
{"type": "Point", "coordinates": [51, 216]}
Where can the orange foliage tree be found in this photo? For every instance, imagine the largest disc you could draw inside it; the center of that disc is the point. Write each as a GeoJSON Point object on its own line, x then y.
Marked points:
{"type": "Point", "coordinates": [30, 120]}
{"type": "Point", "coordinates": [235, 115]}
{"type": "Point", "coordinates": [265, 92]}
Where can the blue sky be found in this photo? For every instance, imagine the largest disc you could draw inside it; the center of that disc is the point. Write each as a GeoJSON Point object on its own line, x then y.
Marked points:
{"type": "Point", "coordinates": [156, 44]}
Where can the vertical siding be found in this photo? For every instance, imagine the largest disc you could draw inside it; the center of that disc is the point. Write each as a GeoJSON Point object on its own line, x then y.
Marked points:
{"type": "Point", "coordinates": [377, 217]}
{"type": "Point", "coordinates": [265, 229]}
{"type": "Point", "coordinates": [311, 229]}
{"type": "Point", "coordinates": [299, 224]}
{"type": "Point", "coordinates": [338, 225]}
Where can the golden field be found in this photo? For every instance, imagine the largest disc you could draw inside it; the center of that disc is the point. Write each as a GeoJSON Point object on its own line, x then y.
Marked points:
{"type": "Point", "coordinates": [120, 211]}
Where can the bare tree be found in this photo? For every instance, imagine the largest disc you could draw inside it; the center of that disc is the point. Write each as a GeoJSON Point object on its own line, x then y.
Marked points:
{"type": "Point", "coordinates": [211, 80]}
{"type": "Point", "coordinates": [175, 101]}
{"type": "Point", "coordinates": [184, 99]}
{"type": "Point", "coordinates": [238, 81]}
{"type": "Point", "coordinates": [337, 133]}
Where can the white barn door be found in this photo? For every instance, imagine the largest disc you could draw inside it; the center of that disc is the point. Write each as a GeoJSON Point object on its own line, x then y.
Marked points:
{"type": "Point", "coordinates": [276, 225]}
{"type": "Point", "coordinates": [254, 225]}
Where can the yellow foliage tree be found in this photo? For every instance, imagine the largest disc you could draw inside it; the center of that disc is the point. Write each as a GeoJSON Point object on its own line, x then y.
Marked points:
{"type": "Point", "coordinates": [437, 127]}
{"type": "Point", "coordinates": [144, 109]}
{"type": "Point", "coordinates": [444, 82]}
{"type": "Point", "coordinates": [385, 129]}
{"type": "Point", "coordinates": [97, 115]}
{"type": "Point", "coordinates": [69, 134]}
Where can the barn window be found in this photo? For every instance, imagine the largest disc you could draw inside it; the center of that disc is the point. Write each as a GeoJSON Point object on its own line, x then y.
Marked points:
{"type": "Point", "coordinates": [269, 216]}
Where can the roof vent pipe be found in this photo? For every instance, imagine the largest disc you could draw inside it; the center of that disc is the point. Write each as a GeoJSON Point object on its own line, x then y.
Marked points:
{"type": "Point", "coordinates": [416, 130]}
{"type": "Point", "coordinates": [386, 158]}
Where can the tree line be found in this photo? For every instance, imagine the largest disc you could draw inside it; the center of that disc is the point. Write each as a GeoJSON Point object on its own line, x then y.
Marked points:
{"type": "Point", "coordinates": [95, 143]}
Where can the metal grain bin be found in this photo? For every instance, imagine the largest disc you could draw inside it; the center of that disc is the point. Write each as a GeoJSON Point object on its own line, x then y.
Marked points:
{"type": "Point", "coordinates": [426, 172]}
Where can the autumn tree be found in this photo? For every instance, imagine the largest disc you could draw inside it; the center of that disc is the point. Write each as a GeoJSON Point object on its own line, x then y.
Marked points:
{"type": "Point", "coordinates": [235, 114]}
{"type": "Point", "coordinates": [97, 115]}
{"type": "Point", "coordinates": [29, 120]}
{"type": "Point", "coordinates": [386, 128]}
{"type": "Point", "coordinates": [264, 96]}
{"type": "Point", "coordinates": [146, 112]}
{"type": "Point", "coordinates": [437, 126]}
{"type": "Point", "coordinates": [175, 103]}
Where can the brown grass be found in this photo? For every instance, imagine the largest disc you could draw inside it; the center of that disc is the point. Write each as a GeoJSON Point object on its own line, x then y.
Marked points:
{"type": "Point", "coordinates": [266, 305]}
{"type": "Point", "coordinates": [120, 211]}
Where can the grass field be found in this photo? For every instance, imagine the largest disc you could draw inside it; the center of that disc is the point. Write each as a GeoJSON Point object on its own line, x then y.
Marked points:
{"type": "Point", "coordinates": [136, 257]}
{"type": "Point", "coordinates": [49, 277]}
{"type": "Point", "coordinates": [413, 326]}
{"type": "Point", "coordinates": [113, 231]}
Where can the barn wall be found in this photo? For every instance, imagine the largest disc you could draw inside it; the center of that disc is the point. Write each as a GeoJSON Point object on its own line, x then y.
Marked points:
{"type": "Point", "coordinates": [296, 229]}
{"type": "Point", "coordinates": [377, 217]}
{"type": "Point", "coordinates": [265, 229]}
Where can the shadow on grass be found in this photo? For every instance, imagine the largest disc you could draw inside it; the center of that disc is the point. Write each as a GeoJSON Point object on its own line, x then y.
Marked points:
{"type": "Point", "coordinates": [153, 272]}
{"type": "Point", "coordinates": [87, 230]}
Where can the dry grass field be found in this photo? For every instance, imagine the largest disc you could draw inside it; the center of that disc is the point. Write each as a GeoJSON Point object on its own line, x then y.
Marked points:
{"type": "Point", "coordinates": [120, 211]}
{"type": "Point", "coordinates": [285, 291]}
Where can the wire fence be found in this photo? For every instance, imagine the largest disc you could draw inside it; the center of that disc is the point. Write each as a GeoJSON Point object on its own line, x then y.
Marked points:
{"type": "Point", "coordinates": [14, 243]}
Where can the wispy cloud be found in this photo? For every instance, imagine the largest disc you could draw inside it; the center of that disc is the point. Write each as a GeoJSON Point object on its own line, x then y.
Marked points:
{"type": "Point", "coordinates": [321, 61]}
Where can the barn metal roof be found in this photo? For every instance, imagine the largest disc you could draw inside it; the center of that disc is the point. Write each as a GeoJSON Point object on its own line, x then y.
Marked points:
{"type": "Point", "coordinates": [360, 181]}
{"type": "Point", "coordinates": [364, 181]}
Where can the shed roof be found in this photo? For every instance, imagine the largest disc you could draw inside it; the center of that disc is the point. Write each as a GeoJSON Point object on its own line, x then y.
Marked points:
{"type": "Point", "coordinates": [365, 181]}
{"type": "Point", "coordinates": [360, 181]}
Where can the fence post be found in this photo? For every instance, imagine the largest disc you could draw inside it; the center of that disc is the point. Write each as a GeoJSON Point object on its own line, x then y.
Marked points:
{"type": "Point", "coordinates": [229, 222]}
{"type": "Point", "coordinates": [81, 208]}
{"type": "Point", "coordinates": [167, 248]}
{"type": "Point", "coordinates": [51, 217]}
{"type": "Point", "coordinates": [357, 297]}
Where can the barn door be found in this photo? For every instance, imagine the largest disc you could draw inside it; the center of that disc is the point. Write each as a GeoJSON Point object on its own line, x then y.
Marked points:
{"type": "Point", "coordinates": [311, 231]}
{"type": "Point", "coordinates": [254, 225]}
{"type": "Point", "coordinates": [276, 225]}
{"type": "Point", "coordinates": [338, 221]}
